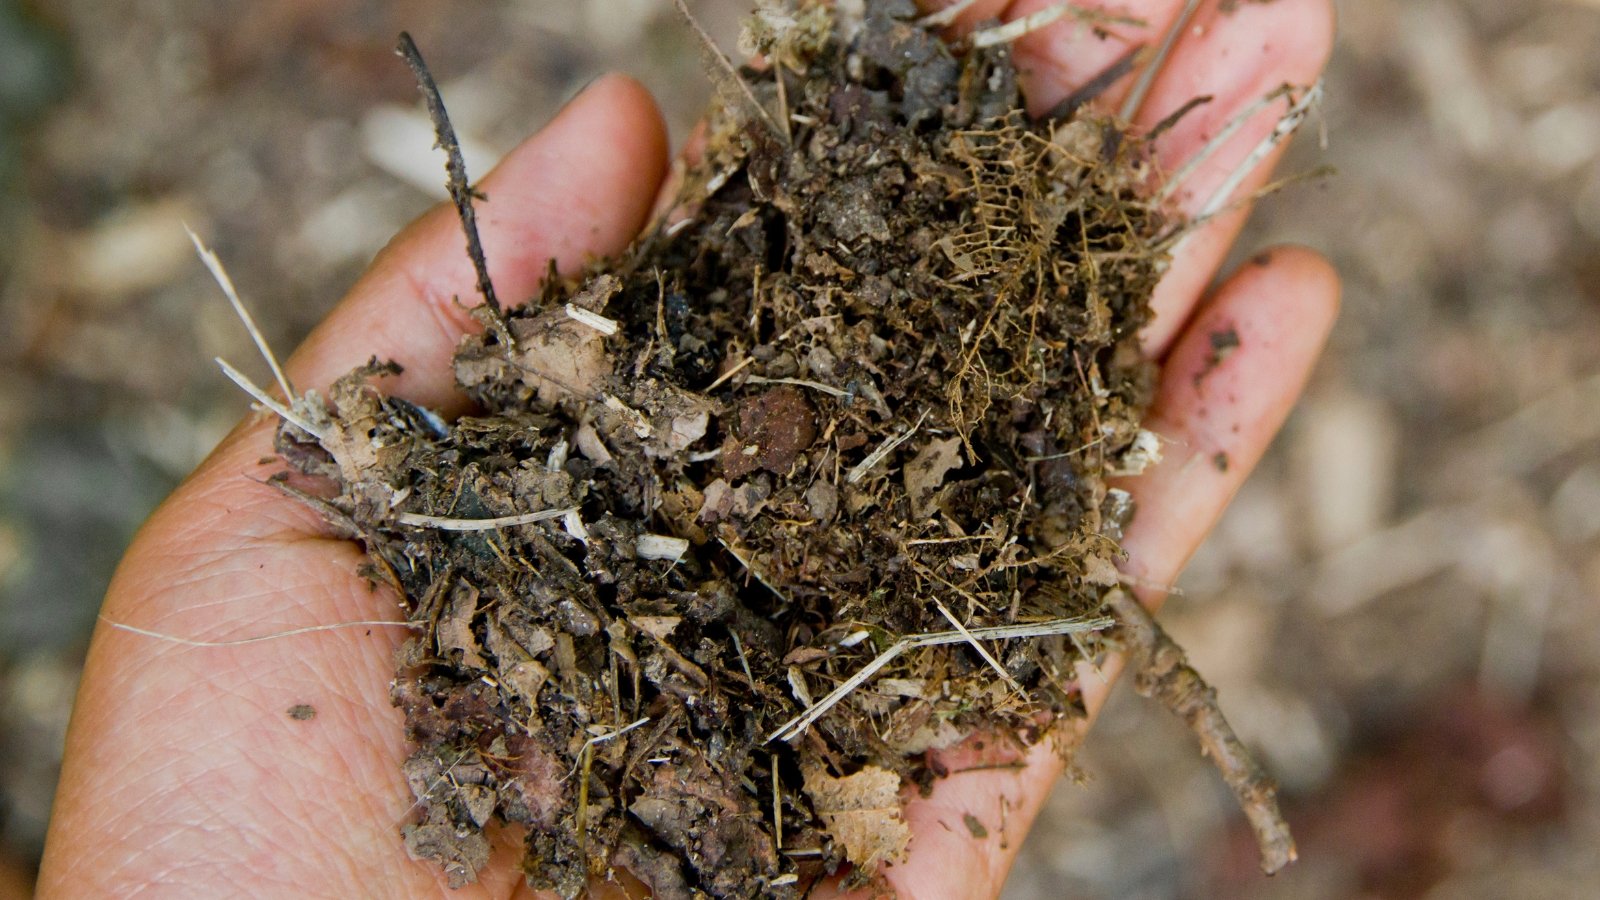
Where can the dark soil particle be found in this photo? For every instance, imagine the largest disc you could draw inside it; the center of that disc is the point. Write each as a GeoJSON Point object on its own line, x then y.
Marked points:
{"type": "Point", "coordinates": [866, 378]}
{"type": "Point", "coordinates": [974, 826]}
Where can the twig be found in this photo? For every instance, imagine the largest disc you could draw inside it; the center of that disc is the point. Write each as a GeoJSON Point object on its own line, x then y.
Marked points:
{"type": "Point", "coordinates": [418, 520]}
{"type": "Point", "coordinates": [721, 379]}
{"type": "Point", "coordinates": [1147, 78]}
{"type": "Point", "coordinates": [1023, 26]}
{"type": "Point", "coordinates": [605, 326]}
{"type": "Point", "coordinates": [1226, 132]}
{"type": "Point", "coordinates": [754, 572]}
{"type": "Point", "coordinates": [1166, 242]}
{"type": "Point", "coordinates": [660, 546]}
{"type": "Point", "coordinates": [744, 662]}
{"type": "Point", "coordinates": [219, 273]}
{"type": "Point", "coordinates": [797, 726]}
{"type": "Point", "coordinates": [1020, 27]}
{"type": "Point", "coordinates": [777, 806]}
{"type": "Point", "coordinates": [456, 168]}
{"type": "Point", "coordinates": [1177, 115]}
{"type": "Point", "coordinates": [1162, 672]}
{"type": "Point", "coordinates": [602, 738]}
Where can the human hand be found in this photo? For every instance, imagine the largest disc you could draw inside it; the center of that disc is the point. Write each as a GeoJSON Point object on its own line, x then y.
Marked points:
{"type": "Point", "coordinates": [185, 772]}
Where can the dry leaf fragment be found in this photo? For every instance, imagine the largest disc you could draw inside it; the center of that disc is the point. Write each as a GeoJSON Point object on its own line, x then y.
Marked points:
{"type": "Point", "coordinates": [454, 631]}
{"type": "Point", "coordinates": [862, 812]}
{"type": "Point", "coordinates": [925, 473]}
{"type": "Point", "coordinates": [658, 627]}
{"type": "Point", "coordinates": [1099, 569]}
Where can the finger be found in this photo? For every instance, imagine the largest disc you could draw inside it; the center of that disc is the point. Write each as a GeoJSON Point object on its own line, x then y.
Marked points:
{"type": "Point", "coordinates": [1281, 307]}
{"type": "Point", "coordinates": [1219, 408]}
{"type": "Point", "coordinates": [581, 188]}
{"type": "Point", "coordinates": [1236, 58]}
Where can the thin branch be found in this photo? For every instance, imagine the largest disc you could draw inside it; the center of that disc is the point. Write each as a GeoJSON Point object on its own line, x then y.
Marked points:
{"type": "Point", "coordinates": [744, 661]}
{"type": "Point", "coordinates": [601, 739]}
{"type": "Point", "coordinates": [887, 447]}
{"type": "Point", "coordinates": [418, 520]}
{"type": "Point", "coordinates": [1020, 27]}
{"type": "Point", "coordinates": [219, 273]}
{"type": "Point", "coordinates": [605, 326]}
{"type": "Point", "coordinates": [947, 15]}
{"type": "Point", "coordinates": [721, 379]}
{"type": "Point", "coordinates": [828, 389]}
{"type": "Point", "coordinates": [1162, 672]}
{"type": "Point", "coordinates": [1147, 78]}
{"type": "Point", "coordinates": [1165, 243]}
{"type": "Point", "coordinates": [1037, 20]}
{"type": "Point", "coordinates": [456, 168]}
{"type": "Point", "coordinates": [754, 572]}
{"type": "Point", "coordinates": [1177, 115]}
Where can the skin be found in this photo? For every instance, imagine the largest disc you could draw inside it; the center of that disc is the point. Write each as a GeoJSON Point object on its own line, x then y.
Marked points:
{"type": "Point", "coordinates": [184, 774]}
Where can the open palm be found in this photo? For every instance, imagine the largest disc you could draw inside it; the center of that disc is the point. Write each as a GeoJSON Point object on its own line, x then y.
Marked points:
{"type": "Point", "coordinates": [184, 772]}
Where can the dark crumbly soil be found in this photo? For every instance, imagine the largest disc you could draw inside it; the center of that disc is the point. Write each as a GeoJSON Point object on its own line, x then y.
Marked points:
{"type": "Point", "coordinates": [867, 378]}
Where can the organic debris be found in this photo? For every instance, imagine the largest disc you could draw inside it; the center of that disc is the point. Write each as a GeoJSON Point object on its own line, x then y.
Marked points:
{"type": "Point", "coordinates": [809, 483]}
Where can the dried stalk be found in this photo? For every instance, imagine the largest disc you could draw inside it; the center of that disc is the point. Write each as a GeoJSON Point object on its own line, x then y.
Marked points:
{"type": "Point", "coordinates": [1162, 672]}
{"type": "Point", "coordinates": [798, 725]}
{"type": "Point", "coordinates": [218, 272]}
{"type": "Point", "coordinates": [461, 190]}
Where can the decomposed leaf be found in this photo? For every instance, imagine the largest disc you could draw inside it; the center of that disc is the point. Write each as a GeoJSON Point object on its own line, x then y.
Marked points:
{"type": "Point", "coordinates": [862, 812]}
{"type": "Point", "coordinates": [926, 471]}
{"type": "Point", "coordinates": [1099, 569]}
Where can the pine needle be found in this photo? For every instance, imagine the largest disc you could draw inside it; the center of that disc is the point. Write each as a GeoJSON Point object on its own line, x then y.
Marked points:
{"type": "Point", "coordinates": [218, 272]}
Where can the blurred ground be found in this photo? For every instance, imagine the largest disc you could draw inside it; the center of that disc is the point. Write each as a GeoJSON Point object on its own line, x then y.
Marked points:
{"type": "Point", "coordinates": [1400, 609]}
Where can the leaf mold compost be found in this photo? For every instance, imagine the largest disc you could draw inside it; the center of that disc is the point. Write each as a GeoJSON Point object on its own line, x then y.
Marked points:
{"type": "Point", "coordinates": [751, 521]}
